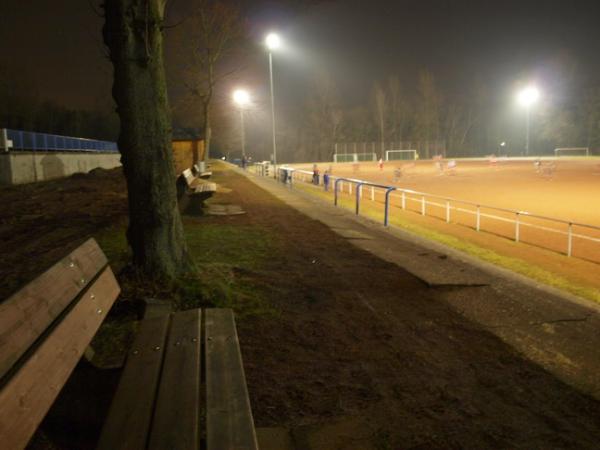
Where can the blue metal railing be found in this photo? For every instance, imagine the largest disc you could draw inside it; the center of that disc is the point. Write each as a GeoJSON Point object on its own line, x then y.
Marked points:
{"type": "Point", "coordinates": [359, 185]}
{"type": "Point", "coordinates": [572, 232]}
{"type": "Point", "coordinates": [29, 140]}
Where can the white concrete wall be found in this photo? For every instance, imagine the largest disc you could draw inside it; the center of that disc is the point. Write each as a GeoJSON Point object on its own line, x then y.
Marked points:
{"type": "Point", "coordinates": [29, 167]}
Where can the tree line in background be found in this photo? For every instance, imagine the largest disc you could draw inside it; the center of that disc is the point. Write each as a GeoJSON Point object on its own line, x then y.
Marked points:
{"type": "Point", "coordinates": [23, 108]}
{"type": "Point", "coordinates": [212, 45]}
{"type": "Point", "coordinates": [425, 118]}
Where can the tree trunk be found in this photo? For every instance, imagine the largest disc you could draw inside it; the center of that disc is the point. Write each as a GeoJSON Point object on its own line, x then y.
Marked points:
{"type": "Point", "coordinates": [207, 132]}
{"type": "Point", "coordinates": [132, 32]}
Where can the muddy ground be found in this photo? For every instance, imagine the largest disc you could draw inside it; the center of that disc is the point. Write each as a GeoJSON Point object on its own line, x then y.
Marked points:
{"type": "Point", "coordinates": [356, 341]}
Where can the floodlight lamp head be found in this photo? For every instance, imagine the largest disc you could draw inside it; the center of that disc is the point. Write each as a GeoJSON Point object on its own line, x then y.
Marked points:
{"type": "Point", "coordinates": [273, 41]}
{"type": "Point", "coordinates": [528, 96]}
{"type": "Point", "coordinates": [241, 97]}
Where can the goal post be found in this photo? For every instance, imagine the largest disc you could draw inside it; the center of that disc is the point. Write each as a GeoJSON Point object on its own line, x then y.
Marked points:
{"type": "Point", "coordinates": [354, 157]}
{"type": "Point", "coordinates": [398, 155]}
{"type": "Point", "coordinates": [572, 151]}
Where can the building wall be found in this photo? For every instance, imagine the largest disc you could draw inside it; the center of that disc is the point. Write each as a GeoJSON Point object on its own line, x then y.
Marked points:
{"type": "Point", "coordinates": [183, 153]}
{"type": "Point", "coordinates": [29, 167]}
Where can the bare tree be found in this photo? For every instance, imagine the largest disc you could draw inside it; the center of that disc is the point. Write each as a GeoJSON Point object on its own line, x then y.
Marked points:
{"type": "Point", "coordinates": [324, 117]}
{"type": "Point", "coordinates": [427, 120]}
{"type": "Point", "coordinates": [397, 107]}
{"type": "Point", "coordinates": [380, 103]}
{"type": "Point", "coordinates": [133, 34]}
{"type": "Point", "coordinates": [212, 33]}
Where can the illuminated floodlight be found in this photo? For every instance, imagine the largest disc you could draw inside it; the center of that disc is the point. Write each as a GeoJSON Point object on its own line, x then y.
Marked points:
{"type": "Point", "coordinates": [502, 144]}
{"type": "Point", "coordinates": [528, 96]}
{"type": "Point", "coordinates": [241, 97]}
{"type": "Point", "coordinates": [273, 41]}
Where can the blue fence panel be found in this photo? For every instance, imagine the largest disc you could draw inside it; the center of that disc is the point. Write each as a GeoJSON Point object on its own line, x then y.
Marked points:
{"type": "Point", "coordinates": [28, 140]}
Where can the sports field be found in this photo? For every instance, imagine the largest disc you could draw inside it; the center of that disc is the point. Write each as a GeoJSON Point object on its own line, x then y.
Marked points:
{"type": "Point", "coordinates": [563, 189]}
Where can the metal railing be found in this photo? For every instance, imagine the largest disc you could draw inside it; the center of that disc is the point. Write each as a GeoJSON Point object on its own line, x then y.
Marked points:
{"type": "Point", "coordinates": [31, 141]}
{"type": "Point", "coordinates": [557, 235]}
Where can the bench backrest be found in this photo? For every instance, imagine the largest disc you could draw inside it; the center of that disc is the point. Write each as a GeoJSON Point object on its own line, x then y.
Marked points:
{"type": "Point", "coordinates": [189, 177]}
{"type": "Point", "coordinates": [44, 329]}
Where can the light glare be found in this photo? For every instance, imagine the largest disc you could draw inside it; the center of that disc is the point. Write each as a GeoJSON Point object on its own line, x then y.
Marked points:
{"type": "Point", "coordinates": [241, 97]}
{"type": "Point", "coordinates": [273, 42]}
{"type": "Point", "coordinates": [528, 96]}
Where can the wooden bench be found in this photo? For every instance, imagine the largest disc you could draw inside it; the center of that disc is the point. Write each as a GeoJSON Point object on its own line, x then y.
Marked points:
{"type": "Point", "coordinates": [192, 192]}
{"type": "Point", "coordinates": [198, 186]}
{"type": "Point", "coordinates": [199, 174]}
{"type": "Point", "coordinates": [175, 403]}
{"type": "Point", "coordinates": [183, 384]}
{"type": "Point", "coordinates": [44, 329]}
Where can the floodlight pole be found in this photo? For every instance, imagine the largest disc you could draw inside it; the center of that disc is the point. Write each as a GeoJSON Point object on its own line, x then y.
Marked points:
{"type": "Point", "coordinates": [242, 129]}
{"type": "Point", "coordinates": [273, 111]}
{"type": "Point", "coordinates": [527, 119]}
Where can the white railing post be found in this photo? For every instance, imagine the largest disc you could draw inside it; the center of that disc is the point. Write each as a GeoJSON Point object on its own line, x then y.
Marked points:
{"type": "Point", "coordinates": [517, 227]}
{"type": "Point", "coordinates": [447, 211]}
{"type": "Point", "coordinates": [423, 205]}
{"type": "Point", "coordinates": [478, 218]}
{"type": "Point", "coordinates": [350, 188]}
{"type": "Point", "coordinates": [372, 193]}
{"type": "Point", "coordinates": [570, 240]}
{"type": "Point", "coordinates": [403, 200]}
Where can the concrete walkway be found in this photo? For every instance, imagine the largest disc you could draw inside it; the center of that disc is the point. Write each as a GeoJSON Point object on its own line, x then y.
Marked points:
{"type": "Point", "coordinates": [556, 330]}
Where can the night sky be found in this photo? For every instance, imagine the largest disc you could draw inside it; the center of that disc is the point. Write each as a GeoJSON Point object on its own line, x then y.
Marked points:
{"type": "Point", "coordinates": [57, 48]}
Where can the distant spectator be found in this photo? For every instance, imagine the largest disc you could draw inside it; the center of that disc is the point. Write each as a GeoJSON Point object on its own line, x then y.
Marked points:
{"type": "Point", "coordinates": [380, 163]}
{"type": "Point", "coordinates": [315, 178]}
{"type": "Point", "coordinates": [326, 180]}
{"type": "Point", "coordinates": [244, 161]}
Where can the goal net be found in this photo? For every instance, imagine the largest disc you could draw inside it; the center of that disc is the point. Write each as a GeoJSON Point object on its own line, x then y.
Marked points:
{"type": "Point", "coordinates": [397, 155]}
{"type": "Point", "coordinates": [572, 151]}
{"type": "Point", "coordinates": [354, 157]}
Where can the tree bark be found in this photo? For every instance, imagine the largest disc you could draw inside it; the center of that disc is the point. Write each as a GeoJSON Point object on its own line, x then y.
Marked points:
{"type": "Point", "coordinates": [132, 32]}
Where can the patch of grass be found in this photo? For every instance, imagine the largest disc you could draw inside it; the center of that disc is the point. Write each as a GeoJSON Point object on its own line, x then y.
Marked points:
{"type": "Point", "coordinates": [514, 264]}
{"type": "Point", "coordinates": [508, 262]}
{"type": "Point", "coordinates": [244, 246]}
{"type": "Point", "coordinates": [113, 243]}
{"type": "Point", "coordinates": [383, 440]}
{"type": "Point", "coordinates": [228, 258]}
{"type": "Point", "coordinates": [113, 340]}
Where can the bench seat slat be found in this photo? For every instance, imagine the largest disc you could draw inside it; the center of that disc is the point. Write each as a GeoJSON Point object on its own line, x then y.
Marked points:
{"type": "Point", "coordinates": [30, 311]}
{"type": "Point", "coordinates": [30, 392]}
{"type": "Point", "coordinates": [130, 413]}
{"type": "Point", "coordinates": [229, 420]}
{"type": "Point", "coordinates": [177, 413]}
{"type": "Point", "coordinates": [205, 187]}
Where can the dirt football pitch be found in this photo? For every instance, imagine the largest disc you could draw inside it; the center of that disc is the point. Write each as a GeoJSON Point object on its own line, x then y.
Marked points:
{"type": "Point", "coordinates": [557, 188]}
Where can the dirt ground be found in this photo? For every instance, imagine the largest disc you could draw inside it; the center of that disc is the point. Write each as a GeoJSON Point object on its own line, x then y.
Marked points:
{"type": "Point", "coordinates": [358, 345]}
